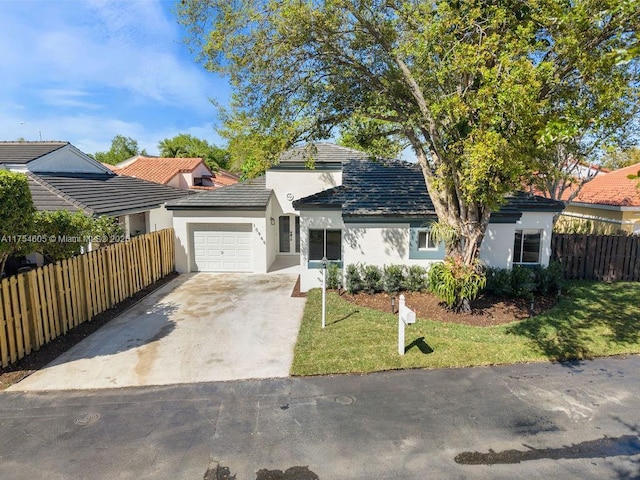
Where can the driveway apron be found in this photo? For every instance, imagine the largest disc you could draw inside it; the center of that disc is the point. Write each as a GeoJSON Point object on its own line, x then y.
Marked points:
{"type": "Point", "coordinates": [198, 328]}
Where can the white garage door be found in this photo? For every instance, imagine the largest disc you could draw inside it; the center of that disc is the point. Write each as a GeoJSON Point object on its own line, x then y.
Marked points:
{"type": "Point", "coordinates": [222, 247]}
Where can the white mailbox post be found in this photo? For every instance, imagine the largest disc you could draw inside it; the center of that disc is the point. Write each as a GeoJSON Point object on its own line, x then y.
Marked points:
{"type": "Point", "coordinates": [406, 316]}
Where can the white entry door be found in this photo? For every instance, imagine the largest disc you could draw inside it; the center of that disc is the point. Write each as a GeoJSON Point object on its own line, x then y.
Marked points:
{"type": "Point", "coordinates": [222, 247]}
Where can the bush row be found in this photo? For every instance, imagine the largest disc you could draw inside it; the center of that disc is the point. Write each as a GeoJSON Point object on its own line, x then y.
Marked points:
{"type": "Point", "coordinates": [524, 282]}
{"type": "Point", "coordinates": [520, 282]}
{"type": "Point", "coordinates": [371, 278]}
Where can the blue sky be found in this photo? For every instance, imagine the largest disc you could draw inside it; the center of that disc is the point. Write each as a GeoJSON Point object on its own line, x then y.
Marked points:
{"type": "Point", "coordinates": [84, 71]}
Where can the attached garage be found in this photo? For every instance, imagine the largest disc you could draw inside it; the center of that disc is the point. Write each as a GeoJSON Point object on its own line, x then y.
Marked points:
{"type": "Point", "coordinates": [222, 247]}
{"type": "Point", "coordinates": [229, 229]}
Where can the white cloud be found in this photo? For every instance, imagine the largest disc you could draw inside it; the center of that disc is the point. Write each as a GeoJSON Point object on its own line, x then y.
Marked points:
{"type": "Point", "coordinates": [67, 98]}
{"type": "Point", "coordinates": [73, 58]}
{"type": "Point", "coordinates": [85, 71]}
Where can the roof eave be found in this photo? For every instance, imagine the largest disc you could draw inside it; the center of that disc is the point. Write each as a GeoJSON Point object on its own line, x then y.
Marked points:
{"type": "Point", "coordinates": [244, 208]}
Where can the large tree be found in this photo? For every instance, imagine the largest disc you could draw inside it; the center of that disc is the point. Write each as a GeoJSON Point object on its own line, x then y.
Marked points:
{"type": "Point", "coordinates": [121, 149]}
{"type": "Point", "coordinates": [186, 145]}
{"type": "Point", "coordinates": [482, 91]}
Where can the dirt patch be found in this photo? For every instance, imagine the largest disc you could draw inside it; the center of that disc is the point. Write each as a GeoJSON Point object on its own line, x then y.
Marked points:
{"type": "Point", "coordinates": [296, 289]}
{"type": "Point", "coordinates": [486, 310]}
{"type": "Point", "coordinates": [36, 360]}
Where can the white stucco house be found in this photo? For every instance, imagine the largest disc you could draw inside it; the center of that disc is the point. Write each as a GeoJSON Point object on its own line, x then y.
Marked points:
{"type": "Point", "coordinates": [345, 207]}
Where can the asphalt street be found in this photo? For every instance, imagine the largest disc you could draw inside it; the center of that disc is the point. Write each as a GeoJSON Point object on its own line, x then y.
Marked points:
{"type": "Point", "coordinates": [547, 421]}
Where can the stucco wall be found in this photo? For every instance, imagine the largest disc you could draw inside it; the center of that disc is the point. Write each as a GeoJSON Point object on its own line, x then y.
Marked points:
{"type": "Point", "coordinates": [158, 219]}
{"type": "Point", "coordinates": [66, 160]}
{"type": "Point", "coordinates": [138, 223]}
{"type": "Point", "coordinates": [300, 184]}
{"type": "Point", "coordinates": [273, 211]}
{"type": "Point", "coordinates": [371, 244]}
{"type": "Point", "coordinates": [311, 278]}
{"type": "Point", "coordinates": [386, 244]}
{"type": "Point", "coordinates": [497, 246]}
{"type": "Point", "coordinates": [182, 219]}
{"type": "Point", "coordinates": [608, 219]}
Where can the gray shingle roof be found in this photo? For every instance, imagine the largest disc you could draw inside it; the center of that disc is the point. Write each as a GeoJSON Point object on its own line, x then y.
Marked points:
{"type": "Point", "coordinates": [321, 153]}
{"type": "Point", "coordinates": [248, 195]}
{"type": "Point", "coordinates": [100, 194]}
{"type": "Point", "coordinates": [24, 152]}
{"type": "Point", "coordinates": [47, 198]}
{"type": "Point", "coordinates": [393, 188]}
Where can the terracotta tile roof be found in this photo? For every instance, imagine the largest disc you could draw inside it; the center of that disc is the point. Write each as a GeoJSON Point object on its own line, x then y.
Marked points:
{"type": "Point", "coordinates": [613, 188]}
{"type": "Point", "coordinates": [222, 178]}
{"type": "Point", "coordinates": [113, 168]}
{"type": "Point", "coordinates": [159, 170]}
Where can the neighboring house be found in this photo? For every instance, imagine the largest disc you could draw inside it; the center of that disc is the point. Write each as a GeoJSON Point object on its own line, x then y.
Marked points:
{"type": "Point", "coordinates": [345, 207]}
{"type": "Point", "coordinates": [175, 172]}
{"type": "Point", "coordinates": [578, 175]}
{"type": "Point", "coordinates": [61, 177]}
{"type": "Point", "coordinates": [611, 202]}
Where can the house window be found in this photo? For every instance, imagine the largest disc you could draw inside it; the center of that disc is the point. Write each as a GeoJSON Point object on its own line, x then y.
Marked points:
{"type": "Point", "coordinates": [325, 243]}
{"type": "Point", "coordinates": [421, 243]}
{"type": "Point", "coordinates": [197, 181]}
{"type": "Point", "coordinates": [425, 241]}
{"type": "Point", "coordinates": [526, 247]}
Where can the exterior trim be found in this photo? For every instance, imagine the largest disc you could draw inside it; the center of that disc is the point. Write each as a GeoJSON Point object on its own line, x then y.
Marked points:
{"type": "Point", "coordinates": [602, 206]}
{"type": "Point", "coordinates": [207, 207]}
{"type": "Point", "coordinates": [387, 219]}
{"type": "Point", "coordinates": [317, 264]}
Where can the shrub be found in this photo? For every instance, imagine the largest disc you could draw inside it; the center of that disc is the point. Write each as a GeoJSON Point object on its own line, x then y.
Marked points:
{"type": "Point", "coordinates": [456, 283]}
{"type": "Point", "coordinates": [334, 276]}
{"type": "Point", "coordinates": [353, 279]}
{"type": "Point", "coordinates": [371, 278]}
{"type": "Point", "coordinates": [523, 282]}
{"type": "Point", "coordinates": [499, 282]}
{"type": "Point", "coordinates": [549, 280]}
{"type": "Point", "coordinates": [417, 280]}
{"type": "Point", "coordinates": [393, 278]}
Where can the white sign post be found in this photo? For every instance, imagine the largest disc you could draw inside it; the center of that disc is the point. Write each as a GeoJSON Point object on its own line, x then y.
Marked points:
{"type": "Point", "coordinates": [406, 316]}
{"type": "Point", "coordinates": [324, 290]}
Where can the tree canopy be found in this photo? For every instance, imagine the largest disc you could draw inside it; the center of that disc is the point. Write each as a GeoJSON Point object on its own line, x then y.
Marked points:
{"type": "Point", "coordinates": [16, 215]}
{"type": "Point", "coordinates": [483, 92]}
{"type": "Point", "coordinates": [617, 159]}
{"type": "Point", "coordinates": [67, 234]}
{"type": "Point", "coordinates": [121, 149]}
{"type": "Point", "coordinates": [186, 145]}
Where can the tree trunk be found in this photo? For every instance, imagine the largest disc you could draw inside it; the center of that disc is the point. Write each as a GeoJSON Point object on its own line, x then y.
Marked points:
{"type": "Point", "coordinates": [469, 220]}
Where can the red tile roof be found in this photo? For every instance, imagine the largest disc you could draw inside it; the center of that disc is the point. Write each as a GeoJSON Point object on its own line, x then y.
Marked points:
{"type": "Point", "coordinates": [222, 178]}
{"type": "Point", "coordinates": [159, 170]}
{"type": "Point", "coordinates": [613, 188]}
{"type": "Point", "coordinates": [113, 168]}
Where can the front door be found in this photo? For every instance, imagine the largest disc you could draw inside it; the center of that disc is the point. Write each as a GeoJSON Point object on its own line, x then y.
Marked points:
{"type": "Point", "coordinates": [289, 238]}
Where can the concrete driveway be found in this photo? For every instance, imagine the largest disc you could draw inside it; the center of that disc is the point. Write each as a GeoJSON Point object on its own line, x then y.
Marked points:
{"type": "Point", "coordinates": [198, 328]}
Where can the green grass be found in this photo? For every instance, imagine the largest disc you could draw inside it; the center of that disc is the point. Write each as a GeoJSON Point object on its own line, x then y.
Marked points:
{"type": "Point", "coordinates": [592, 319]}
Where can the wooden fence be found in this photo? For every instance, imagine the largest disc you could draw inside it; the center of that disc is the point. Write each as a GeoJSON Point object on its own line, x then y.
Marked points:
{"type": "Point", "coordinates": [38, 306]}
{"type": "Point", "coordinates": [598, 257]}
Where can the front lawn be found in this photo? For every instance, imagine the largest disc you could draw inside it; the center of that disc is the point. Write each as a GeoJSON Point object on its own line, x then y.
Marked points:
{"type": "Point", "coordinates": [592, 319]}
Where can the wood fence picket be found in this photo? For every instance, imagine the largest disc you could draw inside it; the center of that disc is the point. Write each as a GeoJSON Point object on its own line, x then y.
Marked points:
{"type": "Point", "coordinates": [38, 306]}
{"type": "Point", "coordinates": [598, 257]}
